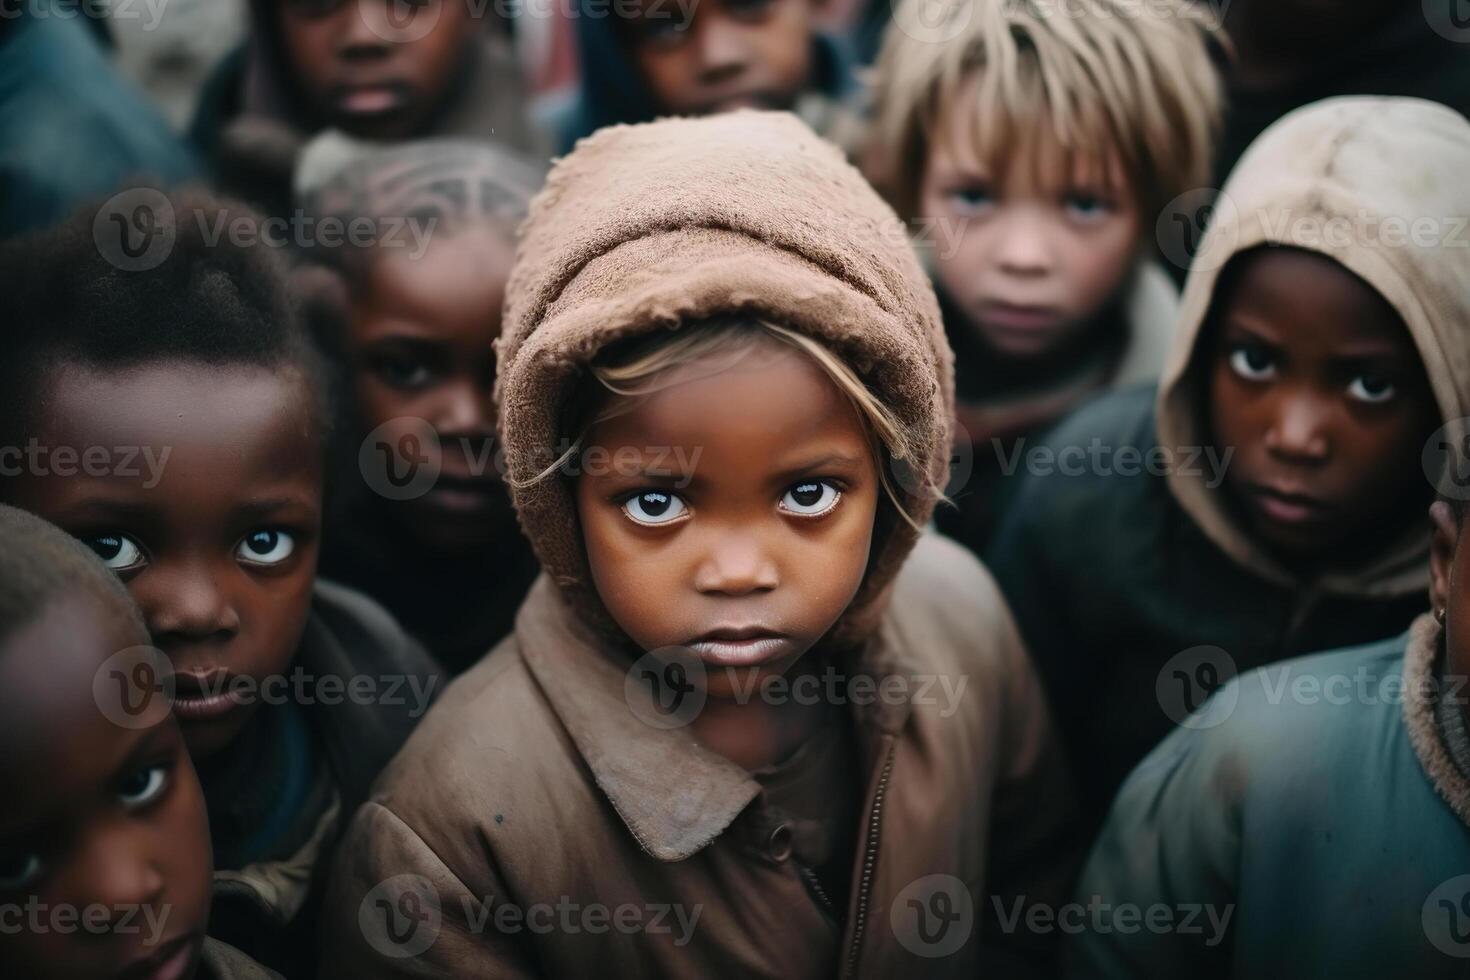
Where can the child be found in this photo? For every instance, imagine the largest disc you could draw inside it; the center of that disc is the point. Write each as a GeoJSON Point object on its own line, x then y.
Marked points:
{"type": "Point", "coordinates": [1266, 502]}
{"type": "Point", "coordinates": [173, 420]}
{"type": "Point", "coordinates": [691, 59]}
{"type": "Point", "coordinates": [413, 323]}
{"type": "Point", "coordinates": [1321, 805]}
{"type": "Point", "coordinates": [374, 69]}
{"type": "Point", "coordinates": [104, 844]}
{"type": "Point", "coordinates": [756, 391]}
{"type": "Point", "coordinates": [1033, 153]}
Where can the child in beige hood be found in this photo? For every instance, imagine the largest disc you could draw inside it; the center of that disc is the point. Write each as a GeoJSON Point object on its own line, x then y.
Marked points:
{"type": "Point", "coordinates": [751, 722]}
{"type": "Point", "coordinates": [1268, 499]}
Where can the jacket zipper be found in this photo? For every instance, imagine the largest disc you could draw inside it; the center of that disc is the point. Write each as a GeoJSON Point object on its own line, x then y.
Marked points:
{"type": "Point", "coordinates": [870, 860]}
{"type": "Point", "coordinates": [818, 890]}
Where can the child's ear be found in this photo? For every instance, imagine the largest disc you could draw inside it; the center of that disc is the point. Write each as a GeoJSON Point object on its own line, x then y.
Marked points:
{"type": "Point", "coordinates": [1442, 553]}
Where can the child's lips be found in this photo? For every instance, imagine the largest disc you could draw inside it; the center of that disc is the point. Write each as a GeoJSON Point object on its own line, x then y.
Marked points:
{"type": "Point", "coordinates": [1019, 318]}
{"type": "Point", "coordinates": [371, 100]}
{"type": "Point", "coordinates": [172, 961]}
{"type": "Point", "coordinates": [1287, 507]}
{"type": "Point", "coordinates": [203, 696]}
{"type": "Point", "coordinates": [741, 647]}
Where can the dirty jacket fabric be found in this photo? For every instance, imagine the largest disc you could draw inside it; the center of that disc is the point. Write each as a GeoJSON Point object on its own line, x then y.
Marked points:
{"type": "Point", "coordinates": [1312, 816]}
{"type": "Point", "coordinates": [1121, 551]}
{"type": "Point", "coordinates": [267, 904]}
{"type": "Point", "coordinates": [539, 783]}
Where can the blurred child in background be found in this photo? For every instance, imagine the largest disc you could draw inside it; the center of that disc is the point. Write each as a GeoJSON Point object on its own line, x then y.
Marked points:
{"type": "Point", "coordinates": [104, 842]}
{"type": "Point", "coordinates": [196, 381]}
{"type": "Point", "coordinates": [1267, 500]}
{"type": "Point", "coordinates": [1032, 152]}
{"type": "Point", "coordinates": [411, 321]}
{"type": "Point", "coordinates": [375, 69]}
{"type": "Point", "coordinates": [688, 59]}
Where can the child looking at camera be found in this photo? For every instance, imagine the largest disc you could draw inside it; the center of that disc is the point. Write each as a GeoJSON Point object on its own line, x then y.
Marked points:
{"type": "Point", "coordinates": [104, 843]}
{"type": "Point", "coordinates": [200, 365]}
{"type": "Point", "coordinates": [410, 321]}
{"type": "Point", "coordinates": [1032, 153]}
{"type": "Point", "coordinates": [1318, 352]}
{"type": "Point", "coordinates": [768, 394]}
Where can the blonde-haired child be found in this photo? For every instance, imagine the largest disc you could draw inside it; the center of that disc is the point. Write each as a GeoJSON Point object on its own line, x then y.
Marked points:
{"type": "Point", "coordinates": [1033, 151]}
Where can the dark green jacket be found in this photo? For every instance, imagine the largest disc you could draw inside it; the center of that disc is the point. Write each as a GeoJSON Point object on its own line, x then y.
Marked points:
{"type": "Point", "coordinates": [1309, 820]}
{"type": "Point", "coordinates": [1110, 580]}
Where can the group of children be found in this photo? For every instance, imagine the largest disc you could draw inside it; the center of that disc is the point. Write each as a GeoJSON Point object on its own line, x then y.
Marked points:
{"type": "Point", "coordinates": [665, 667]}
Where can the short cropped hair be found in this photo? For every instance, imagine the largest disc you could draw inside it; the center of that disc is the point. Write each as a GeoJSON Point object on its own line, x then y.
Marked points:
{"type": "Point", "coordinates": [41, 563]}
{"type": "Point", "coordinates": [217, 295]}
{"type": "Point", "coordinates": [1138, 76]}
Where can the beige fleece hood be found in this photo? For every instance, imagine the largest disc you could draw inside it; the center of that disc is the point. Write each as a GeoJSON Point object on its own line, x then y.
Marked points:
{"type": "Point", "coordinates": [650, 227]}
{"type": "Point", "coordinates": [1381, 186]}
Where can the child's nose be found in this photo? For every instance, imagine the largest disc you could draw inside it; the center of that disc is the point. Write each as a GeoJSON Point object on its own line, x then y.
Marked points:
{"type": "Point", "coordinates": [1299, 429]}
{"type": "Point", "coordinates": [123, 874]}
{"type": "Point", "coordinates": [463, 411]}
{"type": "Point", "coordinates": [187, 603]}
{"type": "Point", "coordinates": [736, 565]}
{"type": "Point", "coordinates": [722, 52]}
{"type": "Point", "coordinates": [1021, 246]}
{"type": "Point", "coordinates": [365, 28]}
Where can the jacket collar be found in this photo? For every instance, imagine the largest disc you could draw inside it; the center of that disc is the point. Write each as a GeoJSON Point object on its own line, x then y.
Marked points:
{"type": "Point", "coordinates": [674, 795]}
{"type": "Point", "coordinates": [1421, 693]}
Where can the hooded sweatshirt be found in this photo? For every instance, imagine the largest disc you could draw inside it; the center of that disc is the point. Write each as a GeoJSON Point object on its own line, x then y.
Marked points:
{"type": "Point", "coordinates": [536, 783]}
{"type": "Point", "coordinates": [1314, 816]}
{"type": "Point", "coordinates": [250, 126]}
{"type": "Point", "coordinates": [1122, 551]}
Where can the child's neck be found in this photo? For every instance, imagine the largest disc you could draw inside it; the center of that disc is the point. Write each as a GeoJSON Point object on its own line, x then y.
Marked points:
{"type": "Point", "coordinates": [757, 733]}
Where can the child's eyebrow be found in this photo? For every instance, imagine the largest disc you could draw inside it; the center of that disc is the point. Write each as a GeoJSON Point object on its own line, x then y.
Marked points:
{"type": "Point", "coordinates": [826, 461]}
{"type": "Point", "coordinates": [271, 505]}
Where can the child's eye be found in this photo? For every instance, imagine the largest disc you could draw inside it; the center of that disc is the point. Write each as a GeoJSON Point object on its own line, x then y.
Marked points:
{"type": "Point", "coordinates": [142, 787]}
{"type": "Point", "coordinates": [266, 547]}
{"type": "Point", "coordinates": [118, 552]}
{"type": "Point", "coordinates": [312, 8]}
{"type": "Point", "coordinates": [1372, 389]}
{"type": "Point", "coordinates": [747, 8]}
{"type": "Point", "coordinates": [662, 29]}
{"type": "Point", "coordinates": [811, 499]}
{"type": "Point", "coordinates": [654, 507]}
{"type": "Point", "coordinates": [19, 870]}
{"type": "Point", "coordinates": [404, 372]}
{"type": "Point", "coordinates": [972, 199]}
{"type": "Point", "coordinates": [1087, 207]}
{"type": "Point", "coordinates": [1252, 362]}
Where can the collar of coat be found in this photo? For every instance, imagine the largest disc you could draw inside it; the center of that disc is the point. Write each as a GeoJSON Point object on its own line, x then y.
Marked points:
{"type": "Point", "coordinates": [674, 795]}
{"type": "Point", "coordinates": [1421, 692]}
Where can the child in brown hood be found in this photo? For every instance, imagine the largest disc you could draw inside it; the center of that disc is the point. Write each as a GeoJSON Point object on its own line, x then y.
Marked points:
{"type": "Point", "coordinates": [751, 721]}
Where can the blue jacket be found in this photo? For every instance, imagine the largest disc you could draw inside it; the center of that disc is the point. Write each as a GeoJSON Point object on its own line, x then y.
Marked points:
{"type": "Point", "coordinates": [1307, 821]}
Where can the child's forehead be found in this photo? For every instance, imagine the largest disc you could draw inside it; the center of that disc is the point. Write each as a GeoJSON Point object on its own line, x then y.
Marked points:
{"type": "Point", "coordinates": [974, 130]}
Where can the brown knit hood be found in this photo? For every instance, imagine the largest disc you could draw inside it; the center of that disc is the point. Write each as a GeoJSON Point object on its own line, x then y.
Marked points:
{"type": "Point", "coordinates": [650, 227]}
{"type": "Point", "coordinates": [1373, 167]}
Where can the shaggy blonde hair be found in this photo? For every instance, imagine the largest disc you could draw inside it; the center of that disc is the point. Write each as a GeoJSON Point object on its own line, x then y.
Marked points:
{"type": "Point", "coordinates": [718, 345]}
{"type": "Point", "coordinates": [1135, 77]}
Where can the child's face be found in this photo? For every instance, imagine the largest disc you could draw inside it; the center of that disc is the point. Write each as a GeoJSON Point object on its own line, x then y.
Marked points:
{"type": "Point", "coordinates": [104, 844]}
{"type": "Point", "coordinates": [731, 514]}
{"type": "Point", "coordinates": [419, 341]}
{"type": "Point", "coordinates": [217, 541]}
{"type": "Point", "coordinates": [732, 54]}
{"type": "Point", "coordinates": [1029, 257]}
{"type": "Point", "coordinates": [1316, 383]}
{"type": "Point", "coordinates": [357, 79]}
